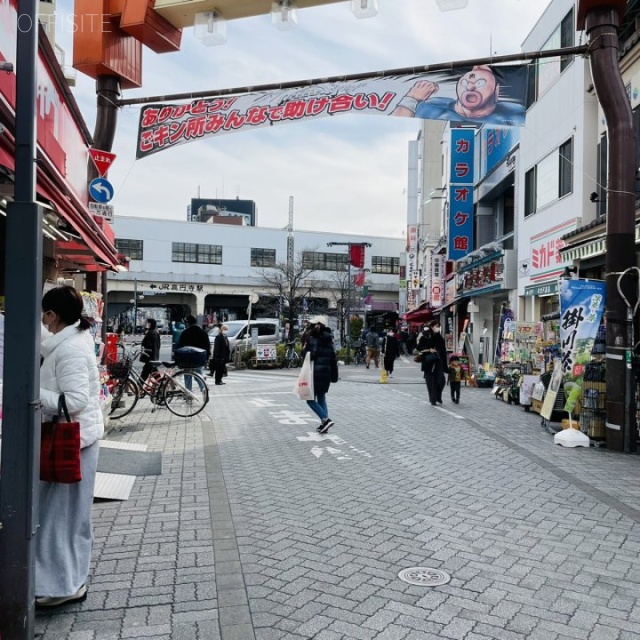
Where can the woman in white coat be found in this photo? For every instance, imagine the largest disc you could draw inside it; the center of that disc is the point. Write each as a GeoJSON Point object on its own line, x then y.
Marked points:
{"type": "Point", "coordinates": [65, 536]}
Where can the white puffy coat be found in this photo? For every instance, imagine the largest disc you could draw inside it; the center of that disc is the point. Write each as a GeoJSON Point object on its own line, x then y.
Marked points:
{"type": "Point", "coordinates": [69, 367]}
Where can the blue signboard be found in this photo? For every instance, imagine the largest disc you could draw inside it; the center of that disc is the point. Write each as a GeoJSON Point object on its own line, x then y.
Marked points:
{"type": "Point", "coordinates": [101, 190]}
{"type": "Point", "coordinates": [496, 144]}
{"type": "Point", "coordinates": [461, 194]}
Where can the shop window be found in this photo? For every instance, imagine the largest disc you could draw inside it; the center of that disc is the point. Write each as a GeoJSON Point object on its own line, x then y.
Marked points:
{"type": "Point", "coordinates": [263, 257]}
{"type": "Point", "coordinates": [321, 261]}
{"type": "Point", "coordinates": [200, 253]}
{"type": "Point", "coordinates": [566, 168]}
{"type": "Point", "coordinates": [381, 264]}
{"type": "Point", "coordinates": [545, 72]}
{"type": "Point", "coordinates": [530, 192]}
{"type": "Point", "coordinates": [131, 248]}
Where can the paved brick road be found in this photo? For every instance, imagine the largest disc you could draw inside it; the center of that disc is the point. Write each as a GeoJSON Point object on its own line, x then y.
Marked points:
{"type": "Point", "coordinates": [260, 529]}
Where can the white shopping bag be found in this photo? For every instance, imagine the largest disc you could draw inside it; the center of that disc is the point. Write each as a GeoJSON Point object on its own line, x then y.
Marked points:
{"type": "Point", "coordinates": [304, 383]}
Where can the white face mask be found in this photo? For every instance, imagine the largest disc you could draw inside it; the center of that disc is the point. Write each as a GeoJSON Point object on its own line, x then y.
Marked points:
{"type": "Point", "coordinates": [224, 333]}
{"type": "Point", "coordinates": [390, 333]}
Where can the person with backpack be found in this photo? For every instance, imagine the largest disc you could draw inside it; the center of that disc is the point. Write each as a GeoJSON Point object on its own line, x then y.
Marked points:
{"type": "Point", "coordinates": [373, 347]}
{"type": "Point", "coordinates": [194, 336]}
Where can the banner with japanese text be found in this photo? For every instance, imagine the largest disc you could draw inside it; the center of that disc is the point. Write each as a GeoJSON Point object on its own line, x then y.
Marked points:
{"type": "Point", "coordinates": [582, 305]}
{"type": "Point", "coordinates": [460, 236]}
{"type": "Point", "coordinates": [493, 95]}
{"type": "Point", "coordinates": [356, 255]}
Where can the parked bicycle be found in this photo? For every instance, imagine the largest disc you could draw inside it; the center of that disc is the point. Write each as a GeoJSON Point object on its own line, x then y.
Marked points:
{"type": "Point", "coordinates": [291, 358]}
{"type": "Point", "coordinates": [359, 352]}
{"type": "Point", "coordinates": [181, 390]}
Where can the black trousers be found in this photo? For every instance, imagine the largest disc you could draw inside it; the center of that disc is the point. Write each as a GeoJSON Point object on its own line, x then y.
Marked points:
{"type": "Point", "coordinates": [455, 390]}
{"type": "Point", "coordinates": [146, 370]}
{"type": "Point", "coordinates": [219, 367]}
{"type": "Point", "coordinates": [435, 384]}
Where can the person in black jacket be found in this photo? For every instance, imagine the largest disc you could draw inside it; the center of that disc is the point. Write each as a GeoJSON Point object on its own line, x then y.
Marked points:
{"type": "Point", "coordinates": [150, 347]}
{"type": "Point", "coordinates": [221, 352]}
{"type": "Point", "coordinates": [319, 344]}
{"type": "Point", "coordinates": [432, 346]}
{"type": "Point", "coordinates": [390, 350]}
{"type": "Point", "coordinates": [194, 336]}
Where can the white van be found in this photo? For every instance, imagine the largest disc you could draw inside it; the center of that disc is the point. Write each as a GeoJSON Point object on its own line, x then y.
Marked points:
{"type": "Point", "coordinates": [269, 332]}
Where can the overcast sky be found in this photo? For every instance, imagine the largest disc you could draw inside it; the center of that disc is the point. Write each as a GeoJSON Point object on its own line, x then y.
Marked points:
{"type": "Point", "coordinates": [347, 173]}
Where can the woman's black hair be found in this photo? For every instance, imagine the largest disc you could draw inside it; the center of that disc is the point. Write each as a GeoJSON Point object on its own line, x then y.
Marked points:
{"type": "Point", "coordinates": [67, 303]}
{"type": "Point", "coordinates": [152, 323]}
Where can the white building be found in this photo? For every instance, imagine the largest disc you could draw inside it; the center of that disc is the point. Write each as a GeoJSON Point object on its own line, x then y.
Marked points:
{"type": "Point", "coordinates": [209, 270]}
{"type": "Point", "coordinates": [558, 161]}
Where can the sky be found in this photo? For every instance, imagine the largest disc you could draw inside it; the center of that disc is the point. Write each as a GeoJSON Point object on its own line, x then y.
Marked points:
{"type": "Point", "coordinates": [346, 173]}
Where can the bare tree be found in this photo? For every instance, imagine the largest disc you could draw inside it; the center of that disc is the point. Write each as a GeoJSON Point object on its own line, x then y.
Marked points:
{"type": "Point", "coordinates": [287, 283]}
{"type": "Point", "coordinates": [338, 285]}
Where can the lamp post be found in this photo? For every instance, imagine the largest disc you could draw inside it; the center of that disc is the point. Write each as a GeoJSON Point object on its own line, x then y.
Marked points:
{"type": "Point", "coordinates": [349, 245]}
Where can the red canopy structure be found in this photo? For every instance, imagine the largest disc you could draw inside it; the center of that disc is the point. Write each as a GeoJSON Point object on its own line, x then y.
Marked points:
{"type": "Point", "coordinates": [421, 314]}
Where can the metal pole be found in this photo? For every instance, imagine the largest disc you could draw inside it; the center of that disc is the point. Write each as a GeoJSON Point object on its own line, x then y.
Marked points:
{"type": "Point", "coordinates": [23, 290]}
{"type": "Point", "coordinates": [601, 25]}
{"type": "Point", "coordinates": [349, 308]}
{"type": "Point", "coordinates": [135, 306]}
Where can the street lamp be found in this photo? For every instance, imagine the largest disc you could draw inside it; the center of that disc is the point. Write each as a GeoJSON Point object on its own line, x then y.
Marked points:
{"type": "Point", "coordinates": [349, 245]}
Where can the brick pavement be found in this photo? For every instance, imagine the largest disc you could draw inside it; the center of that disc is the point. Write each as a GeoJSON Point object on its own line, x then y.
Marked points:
{"type": "Point", "coordinates": [256, 529]}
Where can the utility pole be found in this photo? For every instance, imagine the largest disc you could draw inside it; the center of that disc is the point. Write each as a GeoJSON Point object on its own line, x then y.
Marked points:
{"type": "Point", "coordinates": [290, 266]}
{"type": "Point", "coordinates": [601, 19]}
{"type": "Point", "coordinates": [19, 486]}
{"type": "Point", "coordinates": [349, 245]}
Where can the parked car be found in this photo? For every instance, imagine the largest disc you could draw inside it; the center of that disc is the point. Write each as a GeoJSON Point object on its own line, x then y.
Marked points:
{"type": "Point", "coordinates": [269, 332]}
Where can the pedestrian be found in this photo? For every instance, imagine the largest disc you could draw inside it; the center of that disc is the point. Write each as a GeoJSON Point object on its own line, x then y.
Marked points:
{"type": "Point", "coordinates": [194, 336]}
{"type": "Point", "coordinates": [412, 341]}
{"type": "Point", "coordinates": [325, 368]}
{"type": "Point", "coordinates": [69, 368]}
{"type": "Point", "coordinates": [221, 352]}
{"type": "Point", "coordinates": [455, 378]}
{"type": "Point", "coordinates": [177, 327]}
{"type": "Point", "coordinates": [150, 347]}
{"type": "Point", "coordinates": [432, 347]}
{"type": "Point", "coordinates": [373, 347]}
{"type": "Point", "coordinates": [403, 338]}
{"type": "Point", "coordinates": [390, 351]}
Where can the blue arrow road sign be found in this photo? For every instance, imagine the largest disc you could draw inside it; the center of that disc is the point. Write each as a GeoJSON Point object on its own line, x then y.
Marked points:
{"type": "Point", "coordinates": [101, 190]}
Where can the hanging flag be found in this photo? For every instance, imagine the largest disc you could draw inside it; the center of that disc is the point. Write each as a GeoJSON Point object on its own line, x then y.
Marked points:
{"type": "Point", "coordinates": [356, 255]}
{"type": "Point", "coordinates": [358, 279]}
{"type": "Point", "coordinates": [482, 94]}
{"type": "Point", "coordinates": [581, 309]}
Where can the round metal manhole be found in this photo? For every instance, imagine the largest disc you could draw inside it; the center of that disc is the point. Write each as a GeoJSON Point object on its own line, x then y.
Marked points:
{"type": "Point", "coordinates": [424, 576]}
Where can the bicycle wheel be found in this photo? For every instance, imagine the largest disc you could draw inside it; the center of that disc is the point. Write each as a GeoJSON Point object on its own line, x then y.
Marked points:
{"type": "Point", "coordinates": [125, 397]}
{"type": "Point", "coordinates": [182, 401]}
{"type": "Point", "coordinates": [294, 362]}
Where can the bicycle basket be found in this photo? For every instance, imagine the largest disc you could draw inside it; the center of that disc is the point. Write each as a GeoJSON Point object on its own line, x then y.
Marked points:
{"type": "Point", "coordinates": [190, 357]}
{"type": "Point", "coordinates": [119, 369]}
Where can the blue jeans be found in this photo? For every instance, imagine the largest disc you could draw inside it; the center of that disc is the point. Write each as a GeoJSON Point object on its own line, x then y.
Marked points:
{"type": "Point", "coordinates": [188, 380]}
{"type": "Point", "coordinates": [319, 405]}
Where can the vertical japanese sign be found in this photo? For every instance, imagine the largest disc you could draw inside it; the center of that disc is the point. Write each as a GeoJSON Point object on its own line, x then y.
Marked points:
{"type": "Point", "coordinates": [461, 194]}
{"type": "Point", "coordinates": [581, 308]}
{"type": "Point", "coordinates": [437, 280]}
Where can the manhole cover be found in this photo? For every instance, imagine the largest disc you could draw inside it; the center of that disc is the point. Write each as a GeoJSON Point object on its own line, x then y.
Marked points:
{"type": "Point", "coordinates": [424, 576]}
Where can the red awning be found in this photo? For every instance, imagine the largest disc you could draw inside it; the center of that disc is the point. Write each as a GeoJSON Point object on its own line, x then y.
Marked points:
{"type": "Point", "coordinates": [421, 314]}
{"type": "Point", "coordinates": [95, 251]}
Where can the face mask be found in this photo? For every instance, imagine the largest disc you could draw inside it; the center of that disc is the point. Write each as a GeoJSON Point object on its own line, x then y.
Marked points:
{"type": "Point", "coordinates": [390, 333]}
{"type": "Point", "coordinates": [224, 333]}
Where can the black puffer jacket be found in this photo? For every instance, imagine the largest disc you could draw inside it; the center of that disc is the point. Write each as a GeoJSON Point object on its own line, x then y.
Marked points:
{"type": "Point", "coordinates": [323, 356]}
{"type": "Point", "coordinates": [431, 340]}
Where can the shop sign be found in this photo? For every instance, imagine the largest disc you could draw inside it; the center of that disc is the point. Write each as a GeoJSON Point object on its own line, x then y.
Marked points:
{"type": "Point", "coordinates": [412, 238]}
{"type": "Point", "coordinates": [182, 288]}
{"type": "Point", "coordinates": [460, 238]}
{"type": "Point", "coordinates": [413, 275]}
{"type": "Point", "coordinates": [545, 248]}
{"type": "Point", "coordinates": [450, 291]}
{"type": "Point", "coordinates": [582, 305]}
{"type": "Point", "coordinates": [437, 273]}
{"type": "Point", "coordinates": [528, 331]}
{"type": "Point", "coordinates": [496, 144]}
{"type": "Point", "coordinates": [482, 275]}
{"type": "Point", "coordinates": [59, 136]}
{"type": "Point", "coordinates": [542, 289]}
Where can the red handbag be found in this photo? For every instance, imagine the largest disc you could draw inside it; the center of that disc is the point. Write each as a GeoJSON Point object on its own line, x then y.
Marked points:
{"type": "Point", "coordinates": [60, 448]}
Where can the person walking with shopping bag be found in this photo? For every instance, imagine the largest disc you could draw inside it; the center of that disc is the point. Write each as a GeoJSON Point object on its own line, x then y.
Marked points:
{"type": "Point", "coordinates": [319, 346]}
{"type": "Point", "coordinates": [433, 351]}
{"type": "Point", "coordinates": [68, 376]}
